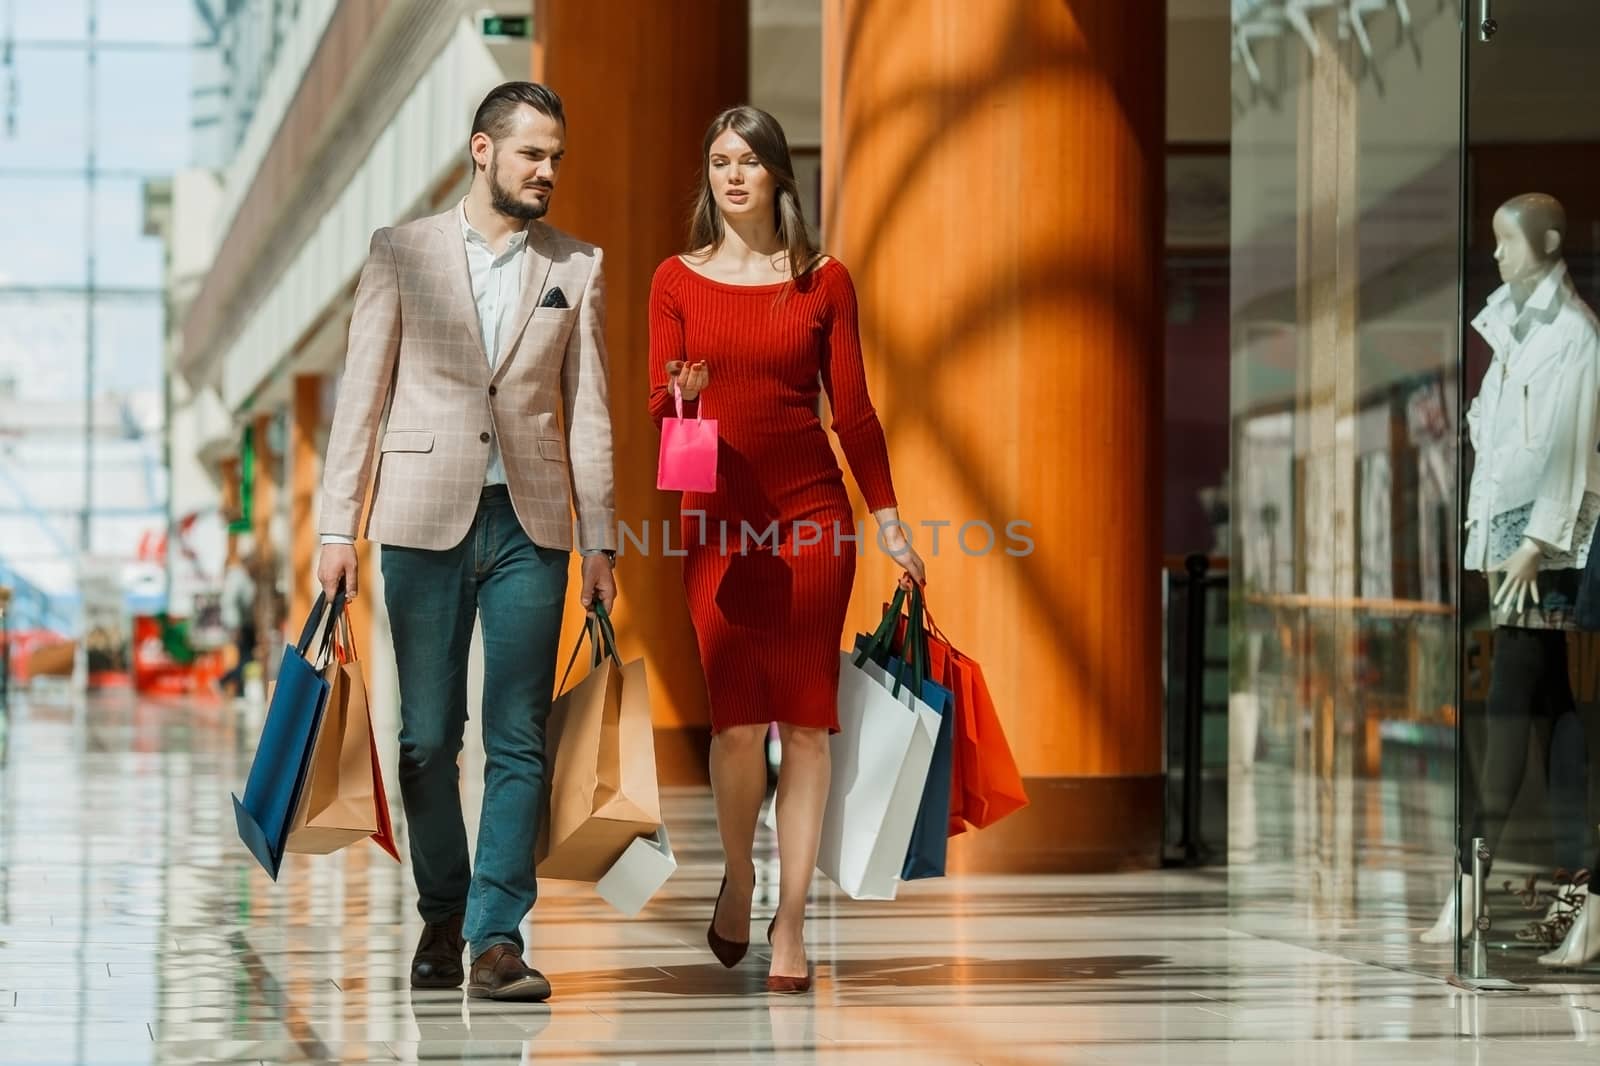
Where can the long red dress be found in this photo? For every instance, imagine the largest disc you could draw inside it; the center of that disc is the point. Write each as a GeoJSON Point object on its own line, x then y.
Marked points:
{"type": "Point", "coordinates": [769, 623]}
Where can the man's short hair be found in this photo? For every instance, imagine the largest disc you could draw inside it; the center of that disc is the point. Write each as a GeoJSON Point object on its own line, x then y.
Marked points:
{"type": "Point", "coordinates": [495, 113]}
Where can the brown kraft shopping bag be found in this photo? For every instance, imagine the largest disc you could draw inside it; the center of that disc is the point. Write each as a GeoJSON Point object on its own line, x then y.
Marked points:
{"type": "Point", "coordinates": [603, 791]}
{"type": "Point", "coordinates": [338, 806]}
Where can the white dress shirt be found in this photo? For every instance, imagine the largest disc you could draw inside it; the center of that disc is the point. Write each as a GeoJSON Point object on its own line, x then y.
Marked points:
{"type": "Point", "coordinates": [1535, 426]}
{"type": "Point", "coordinates": [497, 289]}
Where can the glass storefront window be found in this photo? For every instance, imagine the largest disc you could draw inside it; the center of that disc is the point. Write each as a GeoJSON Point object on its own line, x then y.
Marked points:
{"type": "Point", "coordinates": [1415, 403]}
{"type": "Point", "coordinates": [1345, 330]}
{"type": "Point", "coordinates": [1530, 689]}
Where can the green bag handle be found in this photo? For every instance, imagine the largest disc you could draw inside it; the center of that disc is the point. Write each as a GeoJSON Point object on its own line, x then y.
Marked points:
{"type": "Point", "coordinates": [917, 637]}
{"type": "Point", "coordinates": [914, 653]}
{"type": "Point", "coordinates": [877, 646]}
{"type": "Point", "coordinates": [602, 643]}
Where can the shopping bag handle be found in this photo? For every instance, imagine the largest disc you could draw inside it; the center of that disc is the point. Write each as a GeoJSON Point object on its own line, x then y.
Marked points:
{"type": "Point", "coordinates": [322, 612]}
{"type": "Point", "coordinates": [344, 640]}
{"type": "Point", "coordinates": [930, 626]}
{"type": "Point", "coordinates": [914, 653]}
{"type": "Point", "coordinates": [677, 396]}
{"type": "Point", "coordinates": [916, 647]}
{"type": "Point", "coordinates": [878, 644]}
{"type": "Point", "coordinates": [603, 643]}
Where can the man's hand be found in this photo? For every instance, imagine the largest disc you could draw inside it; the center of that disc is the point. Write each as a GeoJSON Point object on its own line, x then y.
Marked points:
{"type": "Point", "coordinates": [336, 563]}
{"type": "Point", "coordinates": [598, 580]}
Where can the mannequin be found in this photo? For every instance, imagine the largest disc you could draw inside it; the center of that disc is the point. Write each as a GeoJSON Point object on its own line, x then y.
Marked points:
{"type": "Point", "coordinates": [1534, 503]}
{"type": "Point", "coordinates": [1582, 945]}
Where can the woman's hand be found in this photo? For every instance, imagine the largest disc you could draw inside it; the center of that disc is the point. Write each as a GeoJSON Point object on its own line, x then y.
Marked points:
{"type": "Point", "coordinates": [691, 383]}
{"type": "Point", "coordinates": [900, 549]}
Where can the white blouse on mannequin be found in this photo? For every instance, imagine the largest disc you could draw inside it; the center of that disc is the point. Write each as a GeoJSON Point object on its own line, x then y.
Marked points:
{"type": "Point", "coordinates": [1535, 426]}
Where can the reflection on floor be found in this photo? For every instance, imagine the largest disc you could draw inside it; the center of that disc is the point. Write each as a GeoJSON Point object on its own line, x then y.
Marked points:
{"type": "Point", "coordinates": [1359, 867]}
{"type": "Point", "coordinates": [134, 929]}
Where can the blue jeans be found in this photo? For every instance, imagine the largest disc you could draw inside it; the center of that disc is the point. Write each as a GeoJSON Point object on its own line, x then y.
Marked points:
{"type": "Point", "coordinates": [433, 597]}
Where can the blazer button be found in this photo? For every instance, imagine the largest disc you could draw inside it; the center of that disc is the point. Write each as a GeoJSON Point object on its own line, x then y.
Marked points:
{"type": "Point", "coordinates": [493, 391]}
{"type": "Point", "coordinates": [484, 437]}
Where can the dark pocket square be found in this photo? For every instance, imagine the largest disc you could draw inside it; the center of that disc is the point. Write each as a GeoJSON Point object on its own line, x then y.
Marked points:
{"type": "Point", "coordinates": [555, 298]}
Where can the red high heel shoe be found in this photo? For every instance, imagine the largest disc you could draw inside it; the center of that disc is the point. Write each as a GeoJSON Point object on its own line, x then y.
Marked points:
{"type": "Point", "coordinates": [728, 952]}
{"type": "Point", "coordinates": [787, 986]}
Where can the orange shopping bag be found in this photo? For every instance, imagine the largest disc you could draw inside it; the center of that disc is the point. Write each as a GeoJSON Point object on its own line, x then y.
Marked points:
{"type": "Point", "coordinates": [993, 785]}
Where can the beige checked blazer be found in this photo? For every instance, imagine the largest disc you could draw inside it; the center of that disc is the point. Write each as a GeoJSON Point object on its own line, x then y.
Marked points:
{"type": "Point", "coordinates": [418, 385]}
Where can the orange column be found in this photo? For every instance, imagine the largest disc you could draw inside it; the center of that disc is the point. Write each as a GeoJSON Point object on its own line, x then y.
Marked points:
{"type": "Point", "coordinates": [993, 179]}
{"type": "Point", "coordinates": [269, 556]}
{"type": "Point", "coordinates": [634, 126]}
{"type": "Point", "coordinates": [229, 490]}
{"type": "Point", "coordinates": [228, 487]}
{"type": "Point", "coordinates": [305, 475]}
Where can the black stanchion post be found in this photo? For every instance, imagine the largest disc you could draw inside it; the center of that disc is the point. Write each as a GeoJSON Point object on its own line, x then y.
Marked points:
{"type": "Point", "coordinates": [1194, 664]}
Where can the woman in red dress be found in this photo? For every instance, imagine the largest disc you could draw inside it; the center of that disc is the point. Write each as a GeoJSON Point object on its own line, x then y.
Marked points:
{"type": "Point", "coordinates": [770, 556]}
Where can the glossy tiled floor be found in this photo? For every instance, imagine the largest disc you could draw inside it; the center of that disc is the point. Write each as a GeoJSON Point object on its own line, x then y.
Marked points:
{"type": "Point", "coordinates": [134, 929]}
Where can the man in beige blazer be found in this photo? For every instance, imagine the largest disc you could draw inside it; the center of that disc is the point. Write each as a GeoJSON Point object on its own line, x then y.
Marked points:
{"type": "Point", "coordinates": [481, 333]}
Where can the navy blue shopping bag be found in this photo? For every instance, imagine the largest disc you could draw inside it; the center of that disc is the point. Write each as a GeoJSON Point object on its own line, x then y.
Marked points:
{"type": "Point", "coordinates": [926, 855]}
{"type": "Point", "coordinates": [278, 771]}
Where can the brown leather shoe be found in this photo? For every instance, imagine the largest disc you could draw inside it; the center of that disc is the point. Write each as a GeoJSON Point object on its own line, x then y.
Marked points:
{"type": "Point", "coordinates": [437, 962]}
{"type": "Point", "coordinates": [500, 973]}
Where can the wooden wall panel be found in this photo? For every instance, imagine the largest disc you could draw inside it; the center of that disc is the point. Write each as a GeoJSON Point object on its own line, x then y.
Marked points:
{"type": "Point", "coordinates": [635, 122]}
{"type": "Point", "coordinates": [993, 179]}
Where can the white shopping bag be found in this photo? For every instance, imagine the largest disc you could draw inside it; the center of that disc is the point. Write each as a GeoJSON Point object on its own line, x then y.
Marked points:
{"type": "Point", "coordinates": [639, 874]}
{"type": "Point", "coordinates": [881, 757]}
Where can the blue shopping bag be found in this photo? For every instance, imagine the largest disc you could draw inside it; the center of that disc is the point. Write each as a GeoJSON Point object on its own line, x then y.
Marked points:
{"type": "Point", "coordinates": [926, 855]}
{"type": "Point", "coordinates": [278, 771]}
{"type": "Point", "coordinates": [929, 840]}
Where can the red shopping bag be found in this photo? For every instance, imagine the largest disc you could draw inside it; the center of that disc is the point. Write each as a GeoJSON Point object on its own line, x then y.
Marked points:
{"type": "Point", "coordinates": [384, 837]}
{"type": "Point", "coordinates": [986, 785]}
{"type": "Point", "coordinates": [994, 785]}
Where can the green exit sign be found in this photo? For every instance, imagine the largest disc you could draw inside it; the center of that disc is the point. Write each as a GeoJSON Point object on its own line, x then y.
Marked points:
{"type": "Point", "coordinates": [506, 27]}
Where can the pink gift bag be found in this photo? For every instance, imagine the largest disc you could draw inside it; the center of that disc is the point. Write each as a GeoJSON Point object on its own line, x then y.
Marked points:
{"type": "Point", "coordinates": [688, 460]}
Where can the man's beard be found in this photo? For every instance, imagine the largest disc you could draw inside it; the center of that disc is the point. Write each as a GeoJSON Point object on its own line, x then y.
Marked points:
{"type": "Point", "coordinates": [506, 202]}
